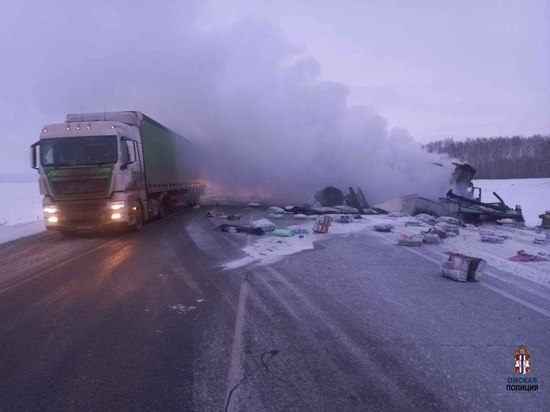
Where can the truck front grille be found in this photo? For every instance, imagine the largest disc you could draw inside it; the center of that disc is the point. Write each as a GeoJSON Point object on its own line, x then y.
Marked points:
{"type": "Point", "coordinates": [84, 186]}
{"type": "Point", "coordinates": [82, 210]}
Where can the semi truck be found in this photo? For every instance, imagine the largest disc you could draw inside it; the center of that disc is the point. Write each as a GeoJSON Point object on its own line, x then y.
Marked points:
{"type": "Point", "coordinates": [112, 169]}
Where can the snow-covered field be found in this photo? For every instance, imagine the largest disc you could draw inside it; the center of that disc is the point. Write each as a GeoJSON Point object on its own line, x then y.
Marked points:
{"type": "Point", "coordinates": [20, 210]}
{"type": "Point", "coordinates": [19, 203]}
{"type": "Point", "coordinates": [532, 194]}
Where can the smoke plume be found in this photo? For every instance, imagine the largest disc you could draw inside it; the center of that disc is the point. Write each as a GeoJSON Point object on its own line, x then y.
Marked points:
{"type": "Point", "coordinates": [266, 124]}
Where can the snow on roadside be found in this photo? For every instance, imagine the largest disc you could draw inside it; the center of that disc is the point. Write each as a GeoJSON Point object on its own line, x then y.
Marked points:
{"type": "Point", "coordinates": [468, 242]}
{"type": "Point", "coordinates": [12, 232]}
{"type": "Point", "coordinates": [19, 203]}
{"type": "Point", "coordinates": [268, 249]}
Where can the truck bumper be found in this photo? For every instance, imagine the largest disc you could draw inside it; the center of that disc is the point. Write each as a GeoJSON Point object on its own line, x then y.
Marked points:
{"type": "Point", "coordinates": [86, 215]}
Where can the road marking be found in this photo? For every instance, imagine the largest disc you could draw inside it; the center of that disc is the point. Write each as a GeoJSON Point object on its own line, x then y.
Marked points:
{"type": "Point", "coordinates": [235, 367]}
{"type": "Point", "coordinates": [518, 300]}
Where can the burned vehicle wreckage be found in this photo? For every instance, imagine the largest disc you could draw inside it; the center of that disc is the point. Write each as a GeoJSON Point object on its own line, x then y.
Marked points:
{"type": "Point", "coordinates": [463, 201]}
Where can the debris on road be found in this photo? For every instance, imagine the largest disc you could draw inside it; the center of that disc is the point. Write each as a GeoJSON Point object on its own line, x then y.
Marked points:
{"type": "Point", "coordinates": [463, 268]}
{"type": "Point", "coordinates": [275, 215]}
{"type": "Point", "coordinates": [509, 223]}
{"type": "Point", "coordinates": [346, 209]}
{"type": "Point", "coordinates": [264, 224]}
{"type": "Point", "coordinates": [182, 308]}
{"type": "Point", "coordinates": [345, 219]}
{"type": "Point", "coordinates": [541, 239]}
{"type": "Point", "coordinates": [451, 220]}
{"type": "Point", "coordinates": [276, 210]}
{"type": "Point", "coordinates": [425, 218]}
{"type": "Point", "coordinates": [406, 239]}
{"type": "Point", "coordinates": [448, 228]}
{"type": "Point", "coordinates": [395, 215]}
{"type": "Point", "coordinates": [330, 196]}
{"type": "Point", "coordinates": [241, 229]}
{"type": "Point", "coordinates": [383, 227]}
{"type": "Point", "coordinates": [491, 237]}
{"type": "Point", "coordinates": [300, 216]}
{"type": "Point", "coordinates": [545, 217]}
{"type": "Point", "coordinates": [322, 224]}
{"type": "Point", "coordinates": [283, 232]}
{"type": "Point", "coordinates": [299, 230]}
{"type": "Point", "coordinates": [414, 222]}
{"type": "Point", "coordinates": [253, 205]}
{"type": "Point", "coordinates": [437, 231]}
{"type": "Point", "coordinates": [356, 200]}
{"type": "Point", "coordinates": [463, 201]}
{"type": "Point", "coordinates": [432, 238]}
{"type": "Point", "coordinates": [522, 256]}
{"type": "Point", "coordinates": [212, 213]}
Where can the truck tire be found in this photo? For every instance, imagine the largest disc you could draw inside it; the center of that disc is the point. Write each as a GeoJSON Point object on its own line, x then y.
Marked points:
{"type": "Point", "coordinates": [138, 223]}
{"type": "Point", "coordinates": [162, 210]}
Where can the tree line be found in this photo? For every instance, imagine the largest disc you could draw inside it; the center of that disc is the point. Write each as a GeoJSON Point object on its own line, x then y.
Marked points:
{"type": "Point", "coordinates": [514, 157]}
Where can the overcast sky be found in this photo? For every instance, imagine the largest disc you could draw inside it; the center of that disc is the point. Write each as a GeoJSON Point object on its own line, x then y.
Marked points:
{"type": "Point", "coordinates": [440, 68]}
{"type": "Point", "coordinates": [436, 68]}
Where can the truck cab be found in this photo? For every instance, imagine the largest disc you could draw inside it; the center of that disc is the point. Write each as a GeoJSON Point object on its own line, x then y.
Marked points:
{"type": "Point", "coordinates": [90, 174]}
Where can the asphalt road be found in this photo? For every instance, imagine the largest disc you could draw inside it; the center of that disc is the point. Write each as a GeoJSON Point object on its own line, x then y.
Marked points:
{"type": "Point", "coordinates": [150, 321]}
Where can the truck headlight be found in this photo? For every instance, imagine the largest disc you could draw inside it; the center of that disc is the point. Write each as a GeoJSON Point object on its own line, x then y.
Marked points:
{"type": "Point", "coordinates": [53, 219]}
{"type": "Point", "coordinates": [50, 209]}
{"type": "Point", "coordinates": [116, 216]}
{"type": "Point", "coordinates": [117, 205]}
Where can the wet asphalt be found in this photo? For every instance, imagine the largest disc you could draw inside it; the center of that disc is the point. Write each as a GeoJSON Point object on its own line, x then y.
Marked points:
{"type": "Point", "coordinates": [151, 322]}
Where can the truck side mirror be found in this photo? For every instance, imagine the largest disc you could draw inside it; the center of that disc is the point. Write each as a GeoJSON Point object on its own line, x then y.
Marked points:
{"type": "Point", "coordinates": [34, 159]}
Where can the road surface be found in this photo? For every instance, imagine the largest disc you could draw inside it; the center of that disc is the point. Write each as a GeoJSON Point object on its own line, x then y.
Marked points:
{"type": "Point", "coordinates": [151, 321]}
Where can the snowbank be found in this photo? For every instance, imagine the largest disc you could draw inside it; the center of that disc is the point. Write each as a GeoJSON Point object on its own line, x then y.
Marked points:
{"type": "Point", "coordinates": [12, 232]}
{"type": "Point", "coordinates": [19, 203]}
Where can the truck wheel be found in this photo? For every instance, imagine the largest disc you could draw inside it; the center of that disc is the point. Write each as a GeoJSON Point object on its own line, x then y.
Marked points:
{"type": "Point", "coordinates": [138, 223]}
{"type": "Point", "coordinates": [162, 210]}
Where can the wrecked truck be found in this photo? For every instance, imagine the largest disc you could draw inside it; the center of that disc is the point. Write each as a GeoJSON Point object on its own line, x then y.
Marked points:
{"type": "Point", "coordinates": [463, 201]}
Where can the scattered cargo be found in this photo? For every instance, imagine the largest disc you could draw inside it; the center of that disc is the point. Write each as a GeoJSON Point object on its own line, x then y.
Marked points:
{"type": "Point", "coordinates": [322, 224]}
{"type": "Point", "coordinates": [463, 268]}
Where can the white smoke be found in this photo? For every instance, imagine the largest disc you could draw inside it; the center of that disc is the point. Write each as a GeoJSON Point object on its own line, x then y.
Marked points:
{"type": "Point", "coordinates": [267, 125]}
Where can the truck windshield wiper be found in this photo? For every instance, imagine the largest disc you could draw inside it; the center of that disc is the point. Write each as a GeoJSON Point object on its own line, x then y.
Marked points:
{"type": "Point", "coordinates": [56, 165]}
{"type": "Point", "coordinates": [99, 164]}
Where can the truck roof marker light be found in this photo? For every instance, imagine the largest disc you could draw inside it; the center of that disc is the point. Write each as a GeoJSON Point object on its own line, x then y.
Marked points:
{"type": "Point", "coordinates": [88, 127]}
{"type": "Point", "coordinates": [78, 127]}
{"type": "Point", "coordinates": [44, 129]}
{"type": "Point", "coordinates": [112, 127]}
{"type": "Point", "coordinates": [68, 128]}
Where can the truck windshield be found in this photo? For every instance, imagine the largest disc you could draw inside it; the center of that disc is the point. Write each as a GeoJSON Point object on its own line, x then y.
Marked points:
{"type": "Point", "coordinates": [77, 151]}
